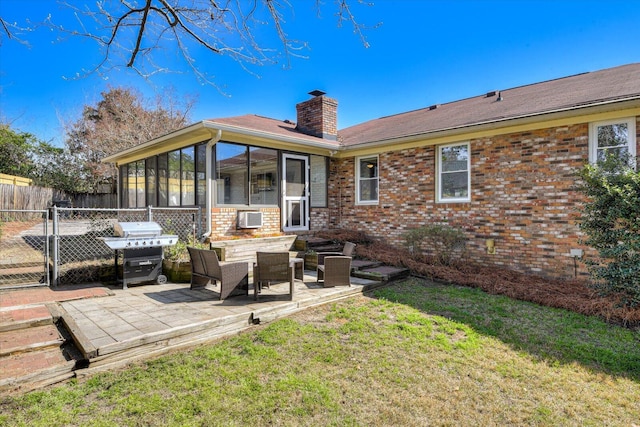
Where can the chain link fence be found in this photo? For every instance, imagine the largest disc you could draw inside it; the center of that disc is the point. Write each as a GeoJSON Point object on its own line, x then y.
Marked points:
{"type": "Point", "coordinates": [24, 250]}
{"type": "Point", "coordinates": [65, 243]}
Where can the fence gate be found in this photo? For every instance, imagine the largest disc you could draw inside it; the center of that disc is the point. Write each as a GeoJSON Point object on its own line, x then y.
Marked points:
{"type": "Point", "coordinates": [24, 248]}
{"type": "Point", "coordinates": [63, 246]}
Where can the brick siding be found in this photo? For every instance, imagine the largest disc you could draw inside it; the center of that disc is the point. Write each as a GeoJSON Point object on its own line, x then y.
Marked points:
{"type": "Point", "coordinates": [224, 224]}
{"type": "Point", "coordinates": [523, 195]}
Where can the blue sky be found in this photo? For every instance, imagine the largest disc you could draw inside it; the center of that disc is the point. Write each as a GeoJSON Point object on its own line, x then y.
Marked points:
{"type": "Point", "coordinates": [424, 52]}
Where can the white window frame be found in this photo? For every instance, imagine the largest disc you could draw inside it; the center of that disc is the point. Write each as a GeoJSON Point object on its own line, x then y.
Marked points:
{"type": "Point", "coordinates": [439, 197]}
{"type": "Point", "coordinates": [593, 136]}
{"type": "Point", "coordinates": [377, 178]}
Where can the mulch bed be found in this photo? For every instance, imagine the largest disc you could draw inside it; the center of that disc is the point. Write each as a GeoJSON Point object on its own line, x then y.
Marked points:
{"type": "Point", "coordinates": [567, 294]}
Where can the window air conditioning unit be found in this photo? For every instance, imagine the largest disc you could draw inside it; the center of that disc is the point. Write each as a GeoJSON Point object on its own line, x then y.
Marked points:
{"type": "Point", "coordinates": [248, 219]}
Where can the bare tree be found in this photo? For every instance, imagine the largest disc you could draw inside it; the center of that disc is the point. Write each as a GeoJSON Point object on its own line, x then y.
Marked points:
{"type": "Point", "coordinates": [121, 120]}
{"type": "Point", "coordinates": [138, 33]}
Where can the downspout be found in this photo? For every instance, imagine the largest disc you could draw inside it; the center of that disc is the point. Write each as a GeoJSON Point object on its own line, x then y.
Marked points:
{"type": "Point", "coordinates": [209, 172]}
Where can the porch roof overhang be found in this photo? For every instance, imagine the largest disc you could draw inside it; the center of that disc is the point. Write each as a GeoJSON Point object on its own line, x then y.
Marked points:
{"type": "Point", "coordinates": [207, 130]}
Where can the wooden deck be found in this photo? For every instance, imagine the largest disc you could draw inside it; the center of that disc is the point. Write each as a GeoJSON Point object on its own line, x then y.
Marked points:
{"type": "Point", "coordinates": [148, 320]}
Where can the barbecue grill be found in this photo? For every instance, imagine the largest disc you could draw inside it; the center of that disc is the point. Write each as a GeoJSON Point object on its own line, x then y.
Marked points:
{"type": "Point", "coordinates": [141, 246]}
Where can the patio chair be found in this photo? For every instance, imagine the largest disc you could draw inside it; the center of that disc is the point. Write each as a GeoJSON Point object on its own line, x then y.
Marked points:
{"type": "Point", "coordinates": [349, 249]}
{"type": "Point", "coordinates": [272, 267]}
{"type": "Point", "coordinates": [233, 276]}
{"type": "Point", "coordinates": [336, 271]}
{"type": "Point", "coordinates": [199, 278]}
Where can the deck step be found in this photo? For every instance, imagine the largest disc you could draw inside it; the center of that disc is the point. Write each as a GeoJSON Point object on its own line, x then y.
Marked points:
{"type": "Point", "coordinates": [312, 243]}
{"type": "Point", "coordinates": [363, 264]}
{"type": "Point", "coordinates": [382, 273]}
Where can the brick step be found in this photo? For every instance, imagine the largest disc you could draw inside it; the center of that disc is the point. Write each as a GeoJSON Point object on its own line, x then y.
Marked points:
{"type": "Point", "coordinates": [15, 318]}
{"type": "Point", "coordinates": [30, 339]}
{"type": "Point", "coordinates": [35, 369]}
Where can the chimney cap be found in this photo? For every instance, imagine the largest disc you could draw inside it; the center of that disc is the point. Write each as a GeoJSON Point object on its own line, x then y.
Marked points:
{"type": "Point", "coordinates": [316, 93]}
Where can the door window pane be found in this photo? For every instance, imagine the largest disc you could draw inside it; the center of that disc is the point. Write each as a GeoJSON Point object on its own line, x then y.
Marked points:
{"type": "Point", "coordinates": [295, 178]}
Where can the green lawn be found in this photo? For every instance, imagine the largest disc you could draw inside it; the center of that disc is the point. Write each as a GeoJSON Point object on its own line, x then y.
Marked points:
{"type": "Point", "coordinates": [414, 354]}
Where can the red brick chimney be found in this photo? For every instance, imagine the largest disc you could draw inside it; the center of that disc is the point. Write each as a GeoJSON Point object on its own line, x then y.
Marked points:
{"type": "Point", "coordinates": [318, 116]}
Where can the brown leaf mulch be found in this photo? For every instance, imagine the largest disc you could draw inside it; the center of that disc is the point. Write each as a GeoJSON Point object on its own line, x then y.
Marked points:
{"type": "Point", "coordinates": [567, 294]}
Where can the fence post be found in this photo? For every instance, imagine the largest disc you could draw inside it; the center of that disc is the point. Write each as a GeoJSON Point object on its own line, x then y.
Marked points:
{"type": "Point", "coordinates": [149, 213]}
{"type": "Point", "coordinates": [56, 246]}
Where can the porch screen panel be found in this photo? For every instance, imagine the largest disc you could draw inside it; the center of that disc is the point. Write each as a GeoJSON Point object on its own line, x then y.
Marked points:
{"type": "Point", "coordinates": [152, 181]}
{"type": "Point", "coordinates": [188, 176]}
{"type": "Point", "coordinates": [174, 178]}
{"type": "Point", "coordinates": [124, 186]}
{"type": "Point", "coordinates": [231, 174]}
{"type": "Point", "coordinates": [163, 176]}
{"type": "Point", "coordinates": [318, 190]}
{"type": "Point", "coordinates": [201, 174]}
{"type": "Point", "coordinates": [131, 185]}
{"type": "Point", "coordinates": [264, 176]}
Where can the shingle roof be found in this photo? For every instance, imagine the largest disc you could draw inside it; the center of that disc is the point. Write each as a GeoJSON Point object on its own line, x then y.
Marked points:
{"type": "Point", "coordinates": [565, 93]}
{"type": "Point", "coordinates": [282, 128]}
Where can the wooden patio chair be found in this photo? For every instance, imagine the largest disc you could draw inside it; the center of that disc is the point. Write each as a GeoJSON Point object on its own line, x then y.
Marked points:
{"type": "Point", "coordinates": [336, 271]}
{"type": "Point", "coordinates": [233, 276]}
{"type": "Point", "coordinates": [349, 249]}
{"type": "Point", "coordinates": [270, 268]}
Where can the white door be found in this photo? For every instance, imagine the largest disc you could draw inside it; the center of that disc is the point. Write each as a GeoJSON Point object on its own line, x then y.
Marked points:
{"type": "Point", "coordinates": [295, 192]}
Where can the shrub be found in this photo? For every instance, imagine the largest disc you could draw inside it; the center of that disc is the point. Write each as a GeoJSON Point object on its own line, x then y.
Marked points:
{"type": "Point", "coordinates": [611, 220]}
{"type": "Point", "coordinates": [444, 242]}
{"type": "Point", "coordinates": [179, 252]}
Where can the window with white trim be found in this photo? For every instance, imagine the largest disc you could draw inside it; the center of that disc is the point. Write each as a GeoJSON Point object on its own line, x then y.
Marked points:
{"type": "Point", "coordinates": [454, 178]}
{"type": "Point", "coordinates": [612, 138]}
{"type": "Point", "coordinates": [367, 180]}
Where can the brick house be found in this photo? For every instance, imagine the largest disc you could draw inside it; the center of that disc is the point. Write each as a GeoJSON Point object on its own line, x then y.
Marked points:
{"type": "Point", "coordinates": [500, 166]}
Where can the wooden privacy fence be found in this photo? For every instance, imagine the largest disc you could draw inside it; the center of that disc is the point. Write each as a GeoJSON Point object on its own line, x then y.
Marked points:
{"type": "Point", "coordinates": [34, 198]}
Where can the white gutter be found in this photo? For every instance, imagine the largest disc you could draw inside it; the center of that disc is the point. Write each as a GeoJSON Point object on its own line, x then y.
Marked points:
{"type": "Point", "coordinates": [208, 174]}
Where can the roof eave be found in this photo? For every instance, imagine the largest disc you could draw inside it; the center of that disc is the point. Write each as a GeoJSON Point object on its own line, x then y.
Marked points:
{"type": "Point", "coordinates": [619, 103]}
{"type": "Point", "coordinates": [196, 130]}
{"type": "Point", "coordinates": [255, 133]}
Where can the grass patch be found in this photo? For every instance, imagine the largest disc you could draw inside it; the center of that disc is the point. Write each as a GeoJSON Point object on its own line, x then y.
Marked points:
{"type": "Point", "coordinates": [414, 354]}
